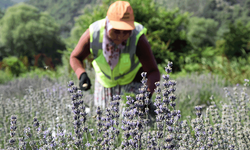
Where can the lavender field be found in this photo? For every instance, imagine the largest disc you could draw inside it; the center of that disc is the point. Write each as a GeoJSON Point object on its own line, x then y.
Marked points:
{"type": "Point", "coordinates": [193, 112]}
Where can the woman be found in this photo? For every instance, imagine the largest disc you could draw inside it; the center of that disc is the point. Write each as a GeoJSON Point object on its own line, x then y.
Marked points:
{"type": "Point", "coordinates": [121, 52]}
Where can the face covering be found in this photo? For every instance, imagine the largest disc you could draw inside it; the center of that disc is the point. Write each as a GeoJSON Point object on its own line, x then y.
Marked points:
{"type": "Point", "coordinates": [111, 51]}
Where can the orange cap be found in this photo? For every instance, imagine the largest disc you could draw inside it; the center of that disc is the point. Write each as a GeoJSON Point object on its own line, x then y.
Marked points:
{"type": "Point", "coordinates": [121, 15]}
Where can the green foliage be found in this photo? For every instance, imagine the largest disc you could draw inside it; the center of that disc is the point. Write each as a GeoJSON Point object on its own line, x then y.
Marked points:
{"type": "Point", "coordinates": [237, 40]}
{"type": "Point", "coordinates": [26, 32]}
{"type": "Point", "coordinates": [227, 11]}
{"type": "Point", "coordinates": [13, 66]}
{"type": "Point", "coordinates": [4, 77]}
{"type": "Point", "coordinates": [167, 36]}
{"type": "Point", "coordinates": [202, 32]}
{"type": "Point", "coordinates": [66, 70]}
{"type": "Point", "coordinates": [90, 15]}
{"type": "Point", "coordinates": [193, 6]}
{"type": "Point", "coordinates": [233, 70]}
{"type": "Point", "coordinates": [244, 12]}
{"type": "Point", "coordinates": [1, 14]}
{"type": "Point", "coordinates": [63, 11]}
{"type": "Point", "coordinates": [40, 73]}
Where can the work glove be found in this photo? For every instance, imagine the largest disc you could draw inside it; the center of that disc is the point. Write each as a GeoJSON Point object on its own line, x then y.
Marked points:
{"type": "Point", "coordinates": [84, 82]}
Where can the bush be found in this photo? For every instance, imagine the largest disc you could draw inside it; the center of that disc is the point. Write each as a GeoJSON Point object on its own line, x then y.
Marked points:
{"type": "Point", "coordinates": [202, 32]}
{"type": "Point", "coordinates": [4, 77]}
{"type": "Point", "coordinates": [13, 66]}
{"type": "Point", "coordinates": [237, 40]}
{"type": "Point", "coordinates": [27, 32]}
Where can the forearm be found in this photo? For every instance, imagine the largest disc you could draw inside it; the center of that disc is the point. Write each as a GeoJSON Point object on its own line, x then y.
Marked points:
{"type": "Point", "coordinates": [148, 62]}
{"type": "Point", "coordinates": [77, 65]}
{"type": "Point", "coordinates": [80, 52]}
{"type": "Point", "coordinates": [153, 77]}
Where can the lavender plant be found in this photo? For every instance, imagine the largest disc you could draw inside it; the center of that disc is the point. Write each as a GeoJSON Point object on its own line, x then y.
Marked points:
{"type": "Point", "coordinates": [55, 125]}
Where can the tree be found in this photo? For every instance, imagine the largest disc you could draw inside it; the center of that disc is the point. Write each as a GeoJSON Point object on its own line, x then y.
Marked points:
{"type": "Point", "coordinates": [1, 14]}
{"type": "Point", "coordinates": [64, 11]}
{"type": "Point", "coordinates": [245, 13]}
{"type": "Point", "coordinates": [202, 32]}
{"type": "Point", "coordinates": [237, 40]}
{"type": "Point", "coordinates": [25, 32]}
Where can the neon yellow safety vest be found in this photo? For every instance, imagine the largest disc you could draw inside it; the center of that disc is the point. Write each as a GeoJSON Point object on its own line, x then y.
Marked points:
{"type": "Point", "coordinates": [128, 64]}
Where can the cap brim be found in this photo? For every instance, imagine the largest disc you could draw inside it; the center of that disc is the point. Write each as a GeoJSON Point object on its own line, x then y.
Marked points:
{"type": "Point", "coordinates": [122, 25]}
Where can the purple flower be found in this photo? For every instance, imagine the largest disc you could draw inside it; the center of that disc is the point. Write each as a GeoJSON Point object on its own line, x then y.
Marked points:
{"type": "Point", "coordinates": [123, 128]}
{"type": "Point", "coordinates": [173, 104]}
{"type": "Point", "coordinates": [169, 139]}
{"type": "Point", "coordinates": [170, 64]}
{"type": "Point", "coordinates": [126, 134]}
{"type": "Point", "coordinates": [87, 144]}
{"type": "Point", "coordinates": [12, 141]}
{"type": "Point", "coordinates": [71, 83]}
{"type": "Point", "coordinates": [117, 132]}
{"type": "Point", "coordinates": [198, 108]}
{"type": "Point", "coordinates": [169, 122]}
{"type": "Point", "coordinates": [168, 70]}
{"type": "Point", "coordinates": [198, 114]}
{"type": "Point", "coordinates": [38, 129]}
{"type": "Point", "coordinates": [99, 124]}
{"type": "Point", "coordinates": [144, 74]}
{"type": "Point", "coordinates": [36, 124]}
{"type": "Point", "coordinates": [13, 128]}
{"type": "Point", "coordinates": [128, 98]}
{"type": "Point", "coordinates": [125, 143]}
{"type": "Point", "coordinates": [60, 134]}
{"type": "Point", "coordinates": [99, 139]}
{"type": "Point", "coordinates": [35, 119]}
{"type": "Point", "coordinates": [166, 84]}
{"type": "Point", "coordinates": [165, 77]}
{"type": "Point", "coordinates": [12, 134]}
{"type": "Point", "coordinates": [157, 83]}
{"type": "Point", "coordinates": [84, 114]}
{"type": "Point", "coordinates": [157, 90]}
{"type": "Point", "coordinates": [157, 111]}
{"type": "Point", "coordinates": [13, 122]}
{"type": "Point", "coordinates": [83, 119]}
{"type": "Point", "coordinates": [172, 97]}
{"type": "Point", "coordinates": [74, 88]}
{"type": "Point", "coordinates": [76, 111]}
{"type": "Point", "coordinates": [165, 100]}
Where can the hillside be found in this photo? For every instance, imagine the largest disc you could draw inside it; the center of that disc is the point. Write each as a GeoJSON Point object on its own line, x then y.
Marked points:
{"type": "Point", "coordinates": [65, 11]}
{"type": "Point", "coordinates": [4, 4]}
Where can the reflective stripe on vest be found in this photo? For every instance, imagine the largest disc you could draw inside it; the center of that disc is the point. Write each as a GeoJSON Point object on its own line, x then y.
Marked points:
{"type": "Point", "coordinates": [128, 65]}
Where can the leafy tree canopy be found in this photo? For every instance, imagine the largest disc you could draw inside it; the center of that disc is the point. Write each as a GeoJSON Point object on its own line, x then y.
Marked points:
{"type": "Point", "coordinates": [1, 14]}
{"type": "Point", "coordinates": [64, 11]}
{"type": "Point", "coordinates": [237, 40]}
{"type": "Point", "coordinates": [25, 32]}
{"type": "Point", "coordinates": [202, 32]}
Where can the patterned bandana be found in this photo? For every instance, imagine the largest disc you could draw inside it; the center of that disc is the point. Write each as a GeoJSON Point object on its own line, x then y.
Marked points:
{"type": "Point", "coordinates": [111, 51]}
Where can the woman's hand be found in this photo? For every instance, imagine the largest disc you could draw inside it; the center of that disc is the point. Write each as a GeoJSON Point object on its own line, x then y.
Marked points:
{"type": "Point", "coordinates": [84, 83]}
